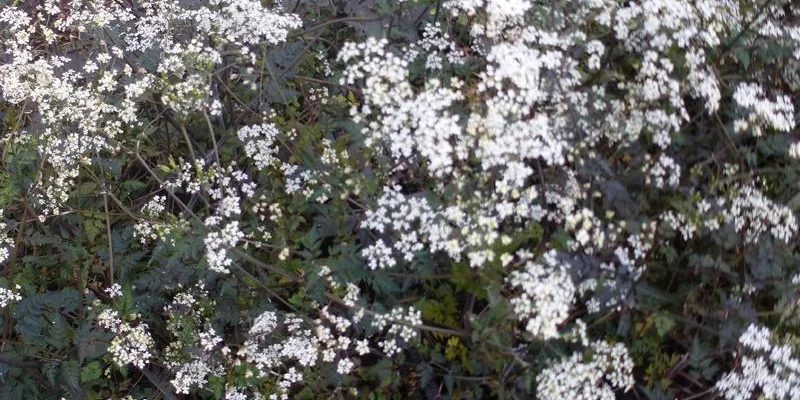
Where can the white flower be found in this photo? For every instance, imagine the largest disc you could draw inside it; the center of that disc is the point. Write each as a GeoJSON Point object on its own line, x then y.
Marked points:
{"type": "Point", "coordinates": [218, 245]}
{"type": "Point", "coordinates": [573, 377]}
{"type": "Point", "coordinates": [663, 173]}
{"type": "Point", "coordinates": [777, 114]}
{"type": "Point", "coordinates": [114, 290]}
{"type": "Point", "coordinates": [755, 214]}
{"type": "Point", "coordinates": [8, 296]}
{"type": "Point", "coordinates": [132, 344]}
{"type": "Point", "coordinates": [768, 369]}
{"type": "Point", "coordinates": [191, 374]}
{"type": "Point", "coordinates": [246, 22]}
{"type": "Point", "coordinates": [362, 347]}
{"type": "Point", "coordinates": [794, 150]}
{"type": "Point", "coordinates": [345, 366]}
{"type": "Point", "coordinates": [546, 296]}
{"type": "Point", "coordinates": [260, 143]}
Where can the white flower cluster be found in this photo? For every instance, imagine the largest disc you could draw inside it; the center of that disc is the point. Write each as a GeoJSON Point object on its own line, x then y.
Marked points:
{"type": "Point", "coordinates": [319, 94]}
{"type": "Point", "coordinates": [794, 150]}
{"type": "Point", "coordinates": [663, 173]}
{"type": "Point", "coordinates": [419, 226]}
{"type": "Point", "coordinates": [78, 107]}
{"type": "Point", "coordinates": [8, 296]}
{"type": "Point", "coordinates": [114, 291]}
{"type": "Point", "coordinates": [235, 393]}
{"type": "Point", "coordinates": [755, 214]}
{"type": "Point", "coordinates": [596, 50]}
{"type": "Point", "coordinates": [6, 241]}
{"type": "Point", "coordinates": [535, 120]}
{"type": "Point", "coordinates": [403, 214]}
{"type": "Point", "coordinates": [190, 374]}
{"type": "Point", "coordinates": [766, 369]}
{"type": "Point", "coordinates": [77, 120]}
{"type": "Point", "coordinates": [152, 227]}
{"type": "Point", "coordinates": [706, 215]}
{"type": "Point", "coordinates": [132, 342]}
{"type": "Point", "coordinates": [531, 126]}
{"type": "Point", "coordinates": [409, 124]}
{"type": "Point", "coordinates": [284, 345]}
{"type": "Point", "coordinates": [615, 277]}
{"type": "Point", "coordinates": [522, 76]}
{"type": "Point", "coordinates": [401, 322]}
{"type": "Point", "coordinates": [219, 242]}
{"type": "Point", "coordinates": [654, 27]}
{"type": "Point", "coordinates": [609, 368]}
{"type": "Point", "coordinates": [659, 24]}
{"type": "Point", "coordinates": [379, 255]}
{"type": "Point", "coordinates": [500, 14]}
{"type": "Point", "coordinates": [192, 362]}
{"type": "Point", "coordinates": [191, 65]}
{"type": "Point", "coordinates": [227, 188]}
{"type": "Point", "coordinates": [311, 183]}
{"type": "Point", "coordinates": [507, 154]}
{"type": "Point", "coordinates": [587, 230]}
{"type": "Point", "coordinates": [245, 22]}
{"type": "Point", "coordinates": [761, 111]}
{"type": "Point", "coordinates": [162, 23]}
{"type": "Point", "coordinates": [332, 332]}
{"type": "Point", "coordinates": [260, 143]}
{"type": "Point", "coordinates": [654, 83]}
{"type": "Point", "coordinates": [436, 46]}
{"type": "Point", "coordinates": [275, 342]}
{"type": "Point", "coordinates": [191, 94]}
{"type": "Point", "coordinates": [546, 295]}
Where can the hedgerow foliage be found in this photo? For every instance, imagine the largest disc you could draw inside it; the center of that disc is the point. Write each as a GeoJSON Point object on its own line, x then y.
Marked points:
{"type": "Point", "coordinates": [464, 199]}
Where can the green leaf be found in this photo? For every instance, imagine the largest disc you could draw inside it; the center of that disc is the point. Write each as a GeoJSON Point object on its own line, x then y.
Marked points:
{"type": "Point", "coordinates": [217, 385]}
{"type": "Point", "coordinates": [465, 280]}
{"type": "Point", "coordinates": [72, 372]}
{"type": "Point", "coordinates": [743, 55]}
{"type": "Point", "coordinates": [663, 323]}
{"type": "Point", "coordinates": [132, 186]}
{"type": "Point", "coordinates": [92, 343]}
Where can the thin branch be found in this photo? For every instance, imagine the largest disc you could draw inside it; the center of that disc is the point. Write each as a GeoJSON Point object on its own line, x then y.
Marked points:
{"type": "Point", "coordinates": [215, 150]}
{"type": "Point", "coordinates": [110, 271]}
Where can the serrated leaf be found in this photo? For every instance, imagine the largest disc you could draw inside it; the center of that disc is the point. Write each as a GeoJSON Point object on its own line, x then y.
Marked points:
{"type": "Point", "coordinates": [91, 372]}
{"type": "Point", "coordinates": [663, 324]}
